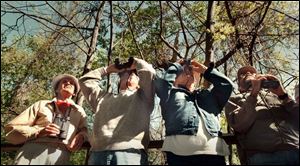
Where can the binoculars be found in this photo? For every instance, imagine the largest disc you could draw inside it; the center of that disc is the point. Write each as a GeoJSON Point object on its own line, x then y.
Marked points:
{"type": "Point", "coordinates": [63, 123]}
{"type": "Point", "coordinates": [273, 84]}
{"type": "Point", "coordinates": [123, 65]}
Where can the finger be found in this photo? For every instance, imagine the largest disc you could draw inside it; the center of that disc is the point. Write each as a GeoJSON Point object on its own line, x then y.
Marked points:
{"type": "Point", "coordinates": [271, 77]}
{"type": "Point", "coordinates": [73, 142]}
{"type": "Point", "coordinates": [70, 148]}
{"type": "Point", "coordinates": [74, 145]}
{"type": "Point", "coordinates": [194, 63]}
{"type": "Point", "coordinates": [52, 130]}
{"type": "Point", "coordinates": [54, 126]}
{"type": "Point", "coordinates": [262, 78]}
{"type": "Point", "coordinates": [52, 134]}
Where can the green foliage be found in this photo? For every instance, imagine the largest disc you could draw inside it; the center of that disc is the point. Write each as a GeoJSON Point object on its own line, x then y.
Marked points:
{"type": "Point", "coordinates": [156, 157]}
{"type": "Point", "coordinates": [7, 158]}
{"type": "Point", "coordinates": [78, 158]}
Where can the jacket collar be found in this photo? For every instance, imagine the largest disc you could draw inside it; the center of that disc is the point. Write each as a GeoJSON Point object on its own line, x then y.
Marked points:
{"type": "Point", "coordinates": [73, 104]}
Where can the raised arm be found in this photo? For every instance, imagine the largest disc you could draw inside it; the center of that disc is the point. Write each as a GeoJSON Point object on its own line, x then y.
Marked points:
{"type": "Point", "coordinates": [89, 84]}
{"type": "Point", "coordinates": [240, 113]}
{"type": "Point", "coordinates": [222, 86]}
{"type": "Point", "coordinates": [146, 74]}
{"type": "Point", "coordinates": [165, 84]}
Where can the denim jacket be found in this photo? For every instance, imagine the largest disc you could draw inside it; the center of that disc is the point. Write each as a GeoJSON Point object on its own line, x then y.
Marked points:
{"type": "Point", "coordinates": [182, 109]}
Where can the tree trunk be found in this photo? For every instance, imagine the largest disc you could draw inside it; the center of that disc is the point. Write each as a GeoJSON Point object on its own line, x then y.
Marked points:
{"type": "Point", "coordinates": [92, 48]}
{"type": "Point", "coordinates": [209, 49]}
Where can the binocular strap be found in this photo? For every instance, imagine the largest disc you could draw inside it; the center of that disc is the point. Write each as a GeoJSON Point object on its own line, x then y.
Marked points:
{"type": "Point", "coordinates": [56, 112]}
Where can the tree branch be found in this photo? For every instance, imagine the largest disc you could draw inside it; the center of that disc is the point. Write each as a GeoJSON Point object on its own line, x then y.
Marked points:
{"type": "Point", "coordinates": [132, 27]}
{"type": "Point", "coordinates": [255, 33]}
{"type": "Point", "coordinates": [36, 19]}
{"type": "Point", "coordinates": [69, 21]}
{"type": "Point", "coordinates": [161, 33]}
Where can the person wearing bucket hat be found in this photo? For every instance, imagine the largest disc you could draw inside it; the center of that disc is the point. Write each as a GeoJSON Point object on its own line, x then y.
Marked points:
{"type": "Point", "coordinates": [266, 124]}
{"type": "Point", "coordinates": [121, 124]}
{"type": "Point", "coordinates": [50, 129]}
{"type": "Point", "coordinates": [73, 79]}
{"type": "Point", "coordinates": [192, 115]}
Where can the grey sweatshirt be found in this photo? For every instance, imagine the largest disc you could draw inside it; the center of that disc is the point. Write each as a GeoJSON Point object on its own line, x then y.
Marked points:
{"type": "Point", "coordinates": [121, 121]}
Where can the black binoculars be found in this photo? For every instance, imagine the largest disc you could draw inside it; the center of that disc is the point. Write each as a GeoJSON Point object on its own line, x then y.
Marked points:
{"type": "Point", "coordinates": [123, 65]}
{"type": "Point", "coordinates": [273, 84]}
{"type": "Point", "coordinates": [63, 123]}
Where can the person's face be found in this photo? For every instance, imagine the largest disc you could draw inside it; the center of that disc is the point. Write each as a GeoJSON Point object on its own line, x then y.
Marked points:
{"type": "Point", "coordinates": [133, 80]}
{"type": "Point", "coordinates": [243, 78]}
{"type": "Point", "coordinates": [130, 77]}
{"type": "Point", "coordinates": [66, 87]}
{"type": "Point", "coordinates": [186, 79]}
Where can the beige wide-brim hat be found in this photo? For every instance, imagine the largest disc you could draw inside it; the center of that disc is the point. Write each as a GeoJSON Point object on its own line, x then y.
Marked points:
{"type": "Point", "coordinates": [57, 79]}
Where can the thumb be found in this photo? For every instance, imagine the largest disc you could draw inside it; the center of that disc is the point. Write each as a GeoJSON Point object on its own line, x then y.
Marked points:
{"type": "Point", "coordinates": [73, 142]}
{"type": "Point", "coordinates": [71, 145]}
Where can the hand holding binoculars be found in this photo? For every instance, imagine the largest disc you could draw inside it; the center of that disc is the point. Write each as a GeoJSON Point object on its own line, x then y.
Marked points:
{"type": "Point", "coordinates": [63, 123]}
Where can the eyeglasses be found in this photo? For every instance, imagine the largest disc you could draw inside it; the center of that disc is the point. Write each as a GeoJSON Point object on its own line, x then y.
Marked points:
{"type": "Point", "coordinates": [64, 81]}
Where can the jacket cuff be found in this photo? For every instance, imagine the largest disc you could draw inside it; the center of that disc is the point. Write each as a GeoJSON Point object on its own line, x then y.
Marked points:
{"type": "Point", "coordinates": [208, 72]}
{"type": "Point", "coordinates": [178, 68]}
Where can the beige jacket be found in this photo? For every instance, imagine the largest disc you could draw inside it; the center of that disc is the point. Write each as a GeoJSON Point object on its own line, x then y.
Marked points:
{"type": "Point", "coordinates": [25, 127]}
{"type": "Point", "coordinates": [121, 121]}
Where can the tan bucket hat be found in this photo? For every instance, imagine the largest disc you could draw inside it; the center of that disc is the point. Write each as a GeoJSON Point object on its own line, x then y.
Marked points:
{"type": "Point", "coordinates": [57, 79]}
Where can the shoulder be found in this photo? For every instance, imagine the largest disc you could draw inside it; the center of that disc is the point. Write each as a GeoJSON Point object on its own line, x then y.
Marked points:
{"type": "Point", "coordinates": [42, 103]}
{"type": "Point", "coordinates": [78, 108]}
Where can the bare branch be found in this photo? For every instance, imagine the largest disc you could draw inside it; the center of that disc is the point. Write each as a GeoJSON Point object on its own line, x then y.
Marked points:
{"type": "Point", "coordinates": [256, 28]}
{"type": "Point", "coordinates": [89, 59]}
{"type": "Point", "coordinates": [209, 49]}
{"type": "Point", "coordinates": [161, 32]}
{"type": "Point", "coordinates": [228, 55]}
{"type": "Point", "coordinates": [42, 18]}
{"type": "Point", "coordinates": [183, 31]}
{"type": "Point", "coordinates": [36, 19]}
{"type": "Point", "coordinates": [293, 18]}
{"type": "Point", "coordinates": [69, 21]}
{"type": "Point", "coordinates": [132, 27]}
{"type": "Point", "coordinates": [110, 42]}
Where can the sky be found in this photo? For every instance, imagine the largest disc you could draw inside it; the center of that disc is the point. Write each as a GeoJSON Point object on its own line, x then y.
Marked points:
{"type": "Point", "coordinates": [30, 26]}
